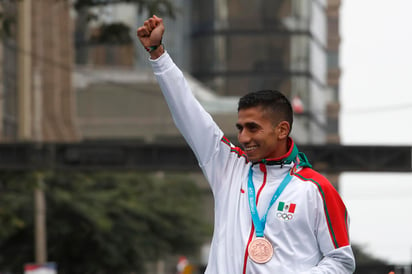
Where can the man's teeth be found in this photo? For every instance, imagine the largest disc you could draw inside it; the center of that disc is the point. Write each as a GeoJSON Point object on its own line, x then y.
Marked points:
{"type": "Point", "coordinates": [250, 148]}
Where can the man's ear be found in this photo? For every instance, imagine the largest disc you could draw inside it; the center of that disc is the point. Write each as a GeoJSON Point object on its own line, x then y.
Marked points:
{"type": "Point", "coordinates": [283, 130]}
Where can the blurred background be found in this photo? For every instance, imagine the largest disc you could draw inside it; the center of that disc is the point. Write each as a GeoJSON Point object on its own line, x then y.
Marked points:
{"type": "Point", "coordinates": [94, 176]}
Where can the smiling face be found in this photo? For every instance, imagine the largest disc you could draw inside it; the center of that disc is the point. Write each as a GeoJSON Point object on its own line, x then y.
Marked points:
{"type": "Point", "coordinates": [261, 136]}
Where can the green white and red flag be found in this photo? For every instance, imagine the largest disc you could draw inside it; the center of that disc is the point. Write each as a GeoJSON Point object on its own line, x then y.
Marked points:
{"type": "Point", "coordinates": [287, 207]}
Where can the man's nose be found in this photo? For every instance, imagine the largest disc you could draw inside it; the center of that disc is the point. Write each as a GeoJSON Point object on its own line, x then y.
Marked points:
{"type": "Point", "coordinates": [243, 137]}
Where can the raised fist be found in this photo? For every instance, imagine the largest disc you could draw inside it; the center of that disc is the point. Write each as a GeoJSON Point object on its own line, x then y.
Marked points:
{"type": "Point", "coordinates": [151, 33]}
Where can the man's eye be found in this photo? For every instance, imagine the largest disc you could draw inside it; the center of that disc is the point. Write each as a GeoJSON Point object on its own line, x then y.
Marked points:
{"type": "Point", "coordinates": [253, 128]}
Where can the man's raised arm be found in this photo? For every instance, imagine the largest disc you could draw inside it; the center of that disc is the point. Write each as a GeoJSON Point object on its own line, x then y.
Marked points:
{"type": "Point", "coordinates": [196, 125]}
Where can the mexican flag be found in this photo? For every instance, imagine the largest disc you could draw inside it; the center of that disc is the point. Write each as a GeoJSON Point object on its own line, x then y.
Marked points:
{"type": "Point", "coordinates": [286, 207]}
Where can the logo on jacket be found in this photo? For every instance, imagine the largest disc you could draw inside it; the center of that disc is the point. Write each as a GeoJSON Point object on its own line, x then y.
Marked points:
{"type": "Point", "coordinates": [285, 211]}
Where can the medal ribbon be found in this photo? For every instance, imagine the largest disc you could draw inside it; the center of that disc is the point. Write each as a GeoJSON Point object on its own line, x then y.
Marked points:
{"type": "Point", "coordinates": [260, 223]}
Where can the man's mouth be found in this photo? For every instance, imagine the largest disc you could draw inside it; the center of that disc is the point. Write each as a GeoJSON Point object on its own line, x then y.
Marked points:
{"type": "Point", "coordinates": [250, 148]}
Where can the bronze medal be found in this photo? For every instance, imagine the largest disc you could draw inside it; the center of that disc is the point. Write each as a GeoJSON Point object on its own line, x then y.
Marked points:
{"type": "Point", "coordinates": [260, 250]}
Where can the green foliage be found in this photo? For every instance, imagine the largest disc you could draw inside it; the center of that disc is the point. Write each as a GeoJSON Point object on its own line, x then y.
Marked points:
{"type": "Point", "coordinates": [102, 223]}
{"type": "Point", "coordinates": [16, 215]}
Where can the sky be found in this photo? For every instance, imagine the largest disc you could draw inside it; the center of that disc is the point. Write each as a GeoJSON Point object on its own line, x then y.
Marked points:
{"type": "Point", "coordinates": [376, 109]}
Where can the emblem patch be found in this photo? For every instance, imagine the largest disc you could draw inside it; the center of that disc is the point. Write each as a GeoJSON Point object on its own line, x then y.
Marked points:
{"type": "Point", "coordinates": [285, 211]}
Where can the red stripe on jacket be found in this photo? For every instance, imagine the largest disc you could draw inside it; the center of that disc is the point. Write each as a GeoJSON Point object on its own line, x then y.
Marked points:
{"type": "Point", "coordinates": [335, 210]}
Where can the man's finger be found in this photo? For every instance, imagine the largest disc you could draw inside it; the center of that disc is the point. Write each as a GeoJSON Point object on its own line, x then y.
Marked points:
{"type": "Point", "coordinates": [143, 32]}
{"type": "Point", "coordinates": [158, 20]}
{"type": "Point", "coordinates": [152, 23]}
{"type": "Point", "coordinates": [148, 26]}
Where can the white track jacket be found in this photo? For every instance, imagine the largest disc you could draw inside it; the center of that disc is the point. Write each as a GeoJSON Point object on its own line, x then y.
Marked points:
{"type": "Point", "coordinates": [308, 223]}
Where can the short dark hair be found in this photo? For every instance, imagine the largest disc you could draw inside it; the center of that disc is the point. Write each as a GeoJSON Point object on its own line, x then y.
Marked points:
{"type": "Point", "coordinates": [273, 100]}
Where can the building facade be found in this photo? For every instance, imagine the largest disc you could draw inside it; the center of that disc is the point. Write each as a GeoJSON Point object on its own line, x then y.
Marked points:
{"type": "Point", "coordinates": [37, 62]}
{"type": "Point", "coordinates": [237, 46]}
{"type": "Point", "coordinates": [232, 46]}
{"type": "Point", "coordinates": [240, 46]}
{"type": "Point", "coordinates": [334, 70]}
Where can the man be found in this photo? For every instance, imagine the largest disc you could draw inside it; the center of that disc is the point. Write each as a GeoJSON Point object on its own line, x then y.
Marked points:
{"type": "Point", "coordinates": [273, 213]}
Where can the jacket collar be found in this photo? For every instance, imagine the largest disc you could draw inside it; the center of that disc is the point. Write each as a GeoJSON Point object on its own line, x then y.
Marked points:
{"type": "Point", "coordinates": [292, 155]}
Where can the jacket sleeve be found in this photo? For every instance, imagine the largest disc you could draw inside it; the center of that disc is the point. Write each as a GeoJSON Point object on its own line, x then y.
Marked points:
{"type": "Point", "coordinates": [332, 232]}
{"type": "Point", "coordinates": [196, 125]}
{"type": "Point", "coordinates": [330, 221]}
{"type": "Point", "coordinates": [339, 261]}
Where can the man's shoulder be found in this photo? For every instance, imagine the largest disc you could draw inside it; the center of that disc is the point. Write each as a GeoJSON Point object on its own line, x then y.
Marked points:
{"type": "Point", "coordinates": [317, 179]}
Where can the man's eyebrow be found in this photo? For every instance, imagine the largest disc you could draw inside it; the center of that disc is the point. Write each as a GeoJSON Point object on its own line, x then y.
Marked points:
{"type": "Point", "coordinates": [251, 124]}
{"type": "Point", "coordinates": [248, 124]}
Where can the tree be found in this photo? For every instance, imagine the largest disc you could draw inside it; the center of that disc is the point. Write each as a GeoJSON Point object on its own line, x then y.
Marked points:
{"type": "Point", "coordinates": [102, 222]}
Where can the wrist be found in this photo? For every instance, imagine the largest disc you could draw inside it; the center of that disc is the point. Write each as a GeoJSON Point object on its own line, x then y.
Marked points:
{"type": "Point", "coordinates": [156, 52]}
{"type": "Point", "coordinates": [149, 49]}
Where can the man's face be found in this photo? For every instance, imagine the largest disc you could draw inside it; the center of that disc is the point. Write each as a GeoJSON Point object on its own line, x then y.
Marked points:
{"type": "Point", "coordinates": [258, 135]}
